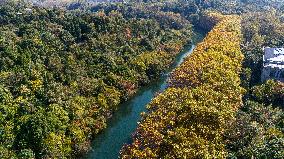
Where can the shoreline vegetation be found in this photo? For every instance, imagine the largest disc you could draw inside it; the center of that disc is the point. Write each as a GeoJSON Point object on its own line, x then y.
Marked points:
{"type": "Point", "coordinates": [216, 105]}
{"type": "Point", "coordinates": [204, 93]}
{"type": "Point", "coordinates": [65, 69]}
{"type": "Point", "coordinates": [63, 73]}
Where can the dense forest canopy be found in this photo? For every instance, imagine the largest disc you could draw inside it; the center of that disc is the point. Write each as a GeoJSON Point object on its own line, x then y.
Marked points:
{"type": "Point", "coordinates": [187, 120]}
{"type": "Point", "coordinates": [64, 72]}
{"type": "Point", "coordinates": [65, 66]}
{"type": "Point", "coordinates": [174, 126]}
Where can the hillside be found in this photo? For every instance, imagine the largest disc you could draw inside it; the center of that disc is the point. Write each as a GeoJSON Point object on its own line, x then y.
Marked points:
{"type": "Point", "coordinates": [64, 73]}
{"type": "Point", "coordinates": [70, 71]}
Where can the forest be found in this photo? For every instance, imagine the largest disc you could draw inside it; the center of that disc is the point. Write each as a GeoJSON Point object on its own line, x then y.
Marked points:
{"type": "Point", "coordinates": [65, 68]}
{"type": "Point", "coordinates": [63, 73]}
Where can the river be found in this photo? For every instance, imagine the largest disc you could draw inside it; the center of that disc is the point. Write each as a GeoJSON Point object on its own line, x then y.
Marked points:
{"type": "Point", "coordinates": [123, 123]}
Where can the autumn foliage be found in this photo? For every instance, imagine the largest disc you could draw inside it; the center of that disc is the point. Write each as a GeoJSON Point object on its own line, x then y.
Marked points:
{"type": "Point", "coordinates": [188, 119]}
{"type": "Point", "coordinates": [64, 72]}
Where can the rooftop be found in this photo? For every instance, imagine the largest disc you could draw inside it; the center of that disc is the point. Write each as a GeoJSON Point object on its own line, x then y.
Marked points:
{"type": "Point", "coordinates": [278, 51]}
{"type": "Point", "coordinates": [273, 57]}
{"type": "Point", "coordinates": [279, 58]}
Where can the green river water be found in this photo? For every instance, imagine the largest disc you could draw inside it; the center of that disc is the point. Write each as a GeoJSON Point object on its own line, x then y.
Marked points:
{"type": "Point", "coordinates": [123, 123]}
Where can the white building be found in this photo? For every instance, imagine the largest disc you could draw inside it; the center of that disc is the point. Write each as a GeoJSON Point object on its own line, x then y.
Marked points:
{"type": "Point", "coordinates": [28, 10]}
{"type": "Point", "coordinates": [273, 64]}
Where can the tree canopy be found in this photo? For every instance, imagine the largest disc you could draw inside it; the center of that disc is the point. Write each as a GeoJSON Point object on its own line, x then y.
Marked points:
{"type": "Point", "coordinates": [64, 72]}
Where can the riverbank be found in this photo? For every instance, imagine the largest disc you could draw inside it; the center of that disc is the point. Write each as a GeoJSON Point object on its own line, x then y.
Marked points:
{"type": "Point", "coordinates": [108, 143]}
{"type": "Point", "coordinates": [188, 119]}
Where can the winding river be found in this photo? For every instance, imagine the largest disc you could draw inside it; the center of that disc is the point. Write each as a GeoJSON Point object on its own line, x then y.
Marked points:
{"type": "Point", "coordinates": [123, 123]}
